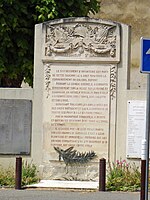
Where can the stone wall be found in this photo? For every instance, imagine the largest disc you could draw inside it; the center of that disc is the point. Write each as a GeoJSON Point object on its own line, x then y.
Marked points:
{"type": "Point", "coordinates": [136, 14]}
{"type": "Point", "coordinates": [11, 125]}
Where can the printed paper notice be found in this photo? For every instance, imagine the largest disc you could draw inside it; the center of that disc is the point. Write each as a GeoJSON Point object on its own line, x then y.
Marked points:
{"type": "Point", "coordinates": [136, 127]}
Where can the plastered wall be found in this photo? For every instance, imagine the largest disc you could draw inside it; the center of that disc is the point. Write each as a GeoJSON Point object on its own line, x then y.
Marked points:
{"type": "Point", "coordinates": [136, 14]}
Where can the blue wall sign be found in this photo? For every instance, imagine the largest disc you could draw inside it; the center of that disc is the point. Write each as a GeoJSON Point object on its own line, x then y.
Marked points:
{"type": "Point", "coordinates": [145, 55]}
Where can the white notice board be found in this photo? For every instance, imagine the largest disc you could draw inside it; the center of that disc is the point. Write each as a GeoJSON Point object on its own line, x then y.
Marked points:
{"type": "Point", "coordinates": [136, 127]}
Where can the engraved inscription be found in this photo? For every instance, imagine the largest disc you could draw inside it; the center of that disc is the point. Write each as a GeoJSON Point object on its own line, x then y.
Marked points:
{"type": "Point", "coordinates": [78, 101]}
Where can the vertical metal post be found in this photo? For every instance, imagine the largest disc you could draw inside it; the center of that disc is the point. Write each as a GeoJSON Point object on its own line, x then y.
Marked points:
{"type": "Point", "coordinates": [18, 174]}
{"type": "Point", "coordinates": [102, 174]}
{"type": "Point", "coordinates": [145, 68]}
{"type": "Point", "coordinates": [143, 173]}
{"type": "Point", "coordinates": [143, 169]}
{"type": "Point", "coordinates": [147, 135]}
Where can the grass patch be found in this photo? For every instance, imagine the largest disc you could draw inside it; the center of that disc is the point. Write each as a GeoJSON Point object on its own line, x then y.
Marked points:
{"type": "Point", "coordinates": [7, 177]}
{"type": "Point", "coordinates": [29, 175]}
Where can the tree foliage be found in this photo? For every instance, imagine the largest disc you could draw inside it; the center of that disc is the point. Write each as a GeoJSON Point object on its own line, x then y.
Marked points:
{"type": "Point", "coordinates": [17, 20]}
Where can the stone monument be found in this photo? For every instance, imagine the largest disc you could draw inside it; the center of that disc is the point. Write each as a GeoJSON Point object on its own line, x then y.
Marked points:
{"type": "Point", "coordinates": [75, 93]}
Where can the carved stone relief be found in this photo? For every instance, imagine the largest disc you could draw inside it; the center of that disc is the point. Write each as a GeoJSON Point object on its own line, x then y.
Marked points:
{"type": "Point", "coordinates": [81, 40]}
{"type": "Point", "coordinates": [47, 79]}
{"type": "Point", "coordinates": [113, 79]}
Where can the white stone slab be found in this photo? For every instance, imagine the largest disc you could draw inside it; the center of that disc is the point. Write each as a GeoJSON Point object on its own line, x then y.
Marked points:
{"type": "Point", "coordinates": [66, 184]}
{"type": "Point", "coordinates": [76, 108]}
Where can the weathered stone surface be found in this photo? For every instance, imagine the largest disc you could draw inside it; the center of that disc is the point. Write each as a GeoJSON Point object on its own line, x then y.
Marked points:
{"type": "Point", "coordinates": [59, 171]}
{"type": "Point", "coordinates": [78, 97]}
{"type": "Point", "coordinates": [78, 62]}
{"type": "Point", "coordinates": [82, 38]}
{"type": "Point", "coordinates": [77, 101]}
{"type": "Point", "coordinates": [15, 126]}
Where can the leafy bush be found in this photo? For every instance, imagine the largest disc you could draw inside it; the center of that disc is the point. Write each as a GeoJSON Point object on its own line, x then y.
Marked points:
{"type": "Point", "coordinates": [17, 21]}
{"type": "Point", "coordinates": [29, 175]}
{"type": "Point", "coordinates": [123, 176]}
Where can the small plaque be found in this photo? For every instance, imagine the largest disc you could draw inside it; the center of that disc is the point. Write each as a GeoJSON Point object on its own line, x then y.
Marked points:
{"type": "Point", "coordinates": [136, 127]}
{"type": "Point", "coordinates": [15, 126]}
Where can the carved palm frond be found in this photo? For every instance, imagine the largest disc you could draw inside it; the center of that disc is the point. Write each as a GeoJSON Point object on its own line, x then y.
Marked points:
{"type": "Point", "coordinates": [71, 157]}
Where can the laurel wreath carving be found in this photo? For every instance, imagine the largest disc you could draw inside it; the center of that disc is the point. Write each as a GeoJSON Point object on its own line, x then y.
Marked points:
{"type": "Point", "coordinates": [113, 79]}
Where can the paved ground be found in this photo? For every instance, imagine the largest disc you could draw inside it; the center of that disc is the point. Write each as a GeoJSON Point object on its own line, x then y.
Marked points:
{"type": "Point", "coordinates": [37, 194]}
